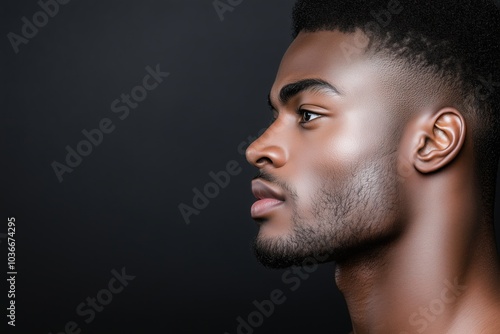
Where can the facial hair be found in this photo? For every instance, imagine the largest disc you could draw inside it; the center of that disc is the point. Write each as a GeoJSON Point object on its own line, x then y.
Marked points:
{"type": "Point", "coordinates": [349, 216]}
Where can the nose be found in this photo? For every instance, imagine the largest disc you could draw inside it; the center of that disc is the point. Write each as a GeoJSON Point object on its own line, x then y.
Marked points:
{"type": "Point", "coordinates": [267, 150]}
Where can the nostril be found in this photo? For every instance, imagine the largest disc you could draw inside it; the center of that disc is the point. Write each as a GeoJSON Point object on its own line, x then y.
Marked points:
{"type": "Point", "coordinates": [263, 161]}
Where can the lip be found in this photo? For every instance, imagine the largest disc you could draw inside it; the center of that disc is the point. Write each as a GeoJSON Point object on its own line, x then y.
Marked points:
{"type": "Point", "coordinates": [268, 199]}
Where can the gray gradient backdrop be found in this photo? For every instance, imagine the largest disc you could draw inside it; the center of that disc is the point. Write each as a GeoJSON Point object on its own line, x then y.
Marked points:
{"type": "Point", "coordinates": [119, 207]}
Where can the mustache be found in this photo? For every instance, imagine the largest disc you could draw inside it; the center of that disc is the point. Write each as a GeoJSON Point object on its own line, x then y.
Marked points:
{"type": "Point", "coordinates": [274, 180]}
{"type": "Point", "coordinates": [265, 176]}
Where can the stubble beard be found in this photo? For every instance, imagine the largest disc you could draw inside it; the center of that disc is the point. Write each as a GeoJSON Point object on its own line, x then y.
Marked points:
{"type": "Point", "coordinates": [349, 217]}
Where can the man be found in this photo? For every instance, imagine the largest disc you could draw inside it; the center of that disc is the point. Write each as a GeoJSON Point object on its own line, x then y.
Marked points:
{"type": "Point", "coordinates": [382, 156]}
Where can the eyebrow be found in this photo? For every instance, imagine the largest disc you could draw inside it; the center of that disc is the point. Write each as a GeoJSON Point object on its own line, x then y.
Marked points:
{"type": "Point", "coordinates": [292, 89]}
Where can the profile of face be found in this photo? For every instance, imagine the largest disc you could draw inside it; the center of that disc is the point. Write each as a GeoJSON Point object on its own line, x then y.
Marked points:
{"type": "Point", "coordinates": [328, 184]}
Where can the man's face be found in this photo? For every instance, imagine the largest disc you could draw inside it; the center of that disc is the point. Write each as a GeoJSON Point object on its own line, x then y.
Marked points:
{"type": "Point", "coordinates": [328, 163]}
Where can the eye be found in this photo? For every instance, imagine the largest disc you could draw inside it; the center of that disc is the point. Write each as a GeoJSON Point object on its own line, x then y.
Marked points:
{"type": "Point", "coordinates": [307, 116]}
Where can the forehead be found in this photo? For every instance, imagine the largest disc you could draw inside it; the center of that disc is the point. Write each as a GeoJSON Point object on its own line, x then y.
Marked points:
{"type": "Point", "coordinates": [322, 54]}
{"type": "Point", "coordinates": [340, 59]}
{"type": "Point", "coordinates": [322, 45]}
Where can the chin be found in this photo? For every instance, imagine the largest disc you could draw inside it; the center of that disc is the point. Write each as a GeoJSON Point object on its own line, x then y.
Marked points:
{"type": "Point", "coordinates": [274, 229]}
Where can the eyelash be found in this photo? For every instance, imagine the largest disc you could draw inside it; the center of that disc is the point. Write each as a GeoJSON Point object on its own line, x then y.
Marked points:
{"type": "Point", "coordinates": [302, 112]}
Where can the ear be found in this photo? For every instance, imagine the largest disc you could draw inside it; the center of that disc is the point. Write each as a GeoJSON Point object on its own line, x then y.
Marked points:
{"type": "Point", "coordinates": [441, 138]}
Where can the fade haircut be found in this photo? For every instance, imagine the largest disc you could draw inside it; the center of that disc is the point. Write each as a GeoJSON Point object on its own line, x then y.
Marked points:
{"type": "Point", "coordinates": [457, 41]}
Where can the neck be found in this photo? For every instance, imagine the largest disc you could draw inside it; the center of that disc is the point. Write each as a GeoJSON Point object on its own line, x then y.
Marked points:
{"type": "Point", "coordinates": [440, 275]}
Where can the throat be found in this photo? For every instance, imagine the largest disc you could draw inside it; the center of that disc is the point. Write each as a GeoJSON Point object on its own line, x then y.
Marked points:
{"type": "Point", "coordinates": [426, 280]}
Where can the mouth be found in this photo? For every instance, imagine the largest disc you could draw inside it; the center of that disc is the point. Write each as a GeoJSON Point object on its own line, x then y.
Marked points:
{"type": "Point", "coordinates": [268, 199]}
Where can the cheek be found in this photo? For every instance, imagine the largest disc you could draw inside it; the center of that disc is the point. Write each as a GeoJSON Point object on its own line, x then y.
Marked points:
{"type": "Point", "coordinates": [318, 170]}
{"type": "Point", "coordinates": [329, 155]}
{"type": "Point", "coordinates": [342, 142]}
{"type": "Point", "coordinates": [355, 137]}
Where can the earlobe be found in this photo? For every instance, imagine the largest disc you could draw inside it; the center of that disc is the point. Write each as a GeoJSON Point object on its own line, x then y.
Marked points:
{"type": "Point", "coordinates": [441, 139]}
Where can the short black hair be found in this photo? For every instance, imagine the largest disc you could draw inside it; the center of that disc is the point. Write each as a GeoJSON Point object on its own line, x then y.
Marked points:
{"type": "Point", "coordinates": [457, 40]}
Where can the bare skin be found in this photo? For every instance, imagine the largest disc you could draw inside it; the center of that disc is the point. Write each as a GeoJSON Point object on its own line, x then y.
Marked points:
{"type": "Point", "coordinates": [414, 246]}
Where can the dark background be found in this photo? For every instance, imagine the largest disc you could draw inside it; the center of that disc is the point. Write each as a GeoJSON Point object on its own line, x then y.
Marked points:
{"type": "Point", "coordinates": [119, 207]}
